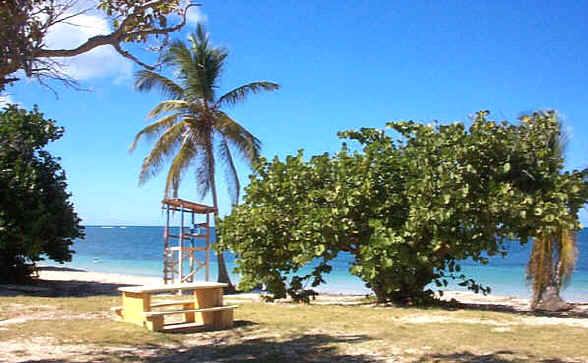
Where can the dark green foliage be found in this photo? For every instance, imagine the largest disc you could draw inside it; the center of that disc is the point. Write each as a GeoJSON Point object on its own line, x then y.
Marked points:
{"type": "Point", "coordinates": [407, 210]}
{"type": "Point", "coordinates": [36, 216]}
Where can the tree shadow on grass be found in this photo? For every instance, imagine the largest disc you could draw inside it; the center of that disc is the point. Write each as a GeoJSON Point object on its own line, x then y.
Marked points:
{"type": "Point", "coordinates": [307, 347]}
{"type": "Point", "coordinates": [578, 310]}
{"type": "Point", "coordinates": [310, 347]}
{"type": "Point", "coordinates": [499, 357]}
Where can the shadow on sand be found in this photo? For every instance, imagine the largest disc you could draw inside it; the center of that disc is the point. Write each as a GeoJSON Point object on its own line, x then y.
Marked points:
{"type": "Point", "coordinates": [308, 347]}
{"type": "Point", "coordinates": [61, 288]}
{"type": "Point", "coordinates": [498, 357]}
{"type": "Point", "coordinates": [305, 348]}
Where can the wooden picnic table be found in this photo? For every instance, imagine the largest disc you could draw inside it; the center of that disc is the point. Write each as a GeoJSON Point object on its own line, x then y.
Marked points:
{"type": "Point", "coordinates": [205, 309]}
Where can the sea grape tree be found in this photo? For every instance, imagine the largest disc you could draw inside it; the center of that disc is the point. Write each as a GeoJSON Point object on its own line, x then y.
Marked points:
{"type": "Point", "coordinates": [407, 210]}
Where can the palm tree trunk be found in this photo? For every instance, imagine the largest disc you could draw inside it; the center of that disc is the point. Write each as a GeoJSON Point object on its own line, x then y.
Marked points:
{"type": "Point", "coordinates": [223, 275]}
{"type": "Point", "coordinates": [541, 269]}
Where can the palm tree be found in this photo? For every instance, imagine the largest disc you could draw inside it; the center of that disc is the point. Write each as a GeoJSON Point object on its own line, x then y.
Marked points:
{"type": "Point", "coordinates": [552, 261]}
{"type": "Point", "coordinates": [191, 126]}
{"type": "Point", "coordinates": [553, 255]}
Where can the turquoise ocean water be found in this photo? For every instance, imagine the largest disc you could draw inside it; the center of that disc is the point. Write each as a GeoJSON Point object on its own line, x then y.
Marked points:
{"type": "Point", "coordinates": [138, 251]}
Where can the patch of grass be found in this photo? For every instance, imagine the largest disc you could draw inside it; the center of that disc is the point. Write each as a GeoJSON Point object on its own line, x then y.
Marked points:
{"type": "Point", "coordinates": [70, 304]}
{"type": "Point", "coordinates": [102, 332]}
{"type": "Point", "coordinates": [297, 332]}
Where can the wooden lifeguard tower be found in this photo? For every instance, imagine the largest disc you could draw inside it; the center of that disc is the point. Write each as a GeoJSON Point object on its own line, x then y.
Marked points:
{"type": "Point", "coordinates": [191, 244]}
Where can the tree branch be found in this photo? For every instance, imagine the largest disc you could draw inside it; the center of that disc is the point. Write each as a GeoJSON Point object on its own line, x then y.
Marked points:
{"type": "Point", "coordinates": [116, 37]}
{"type": "Point", "coordinates": [165, 30]}
{"type": "Point", "coordinates": [8, 80]}
{"type": "Point", "coordinates": [90, 44]}
{"type": "Point", "coordinates": [128, 55]}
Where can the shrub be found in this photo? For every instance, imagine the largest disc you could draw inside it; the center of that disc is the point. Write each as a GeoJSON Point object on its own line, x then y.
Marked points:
{"type": "Point", "coordinates": [36, 217]}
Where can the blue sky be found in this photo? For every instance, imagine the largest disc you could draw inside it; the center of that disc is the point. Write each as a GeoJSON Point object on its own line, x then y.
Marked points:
{"type": "Point", "coordinates": [341, 65]}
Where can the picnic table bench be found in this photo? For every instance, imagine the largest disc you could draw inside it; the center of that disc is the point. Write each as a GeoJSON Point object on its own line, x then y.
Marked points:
{"type": "Point", "coordinates": [205, 309]}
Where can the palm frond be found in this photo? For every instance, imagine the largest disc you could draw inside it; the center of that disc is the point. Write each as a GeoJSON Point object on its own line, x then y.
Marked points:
{"type": "Point", "coordinates": [203, 175]}
{"type": "Point", "coordinates": [566, 259]}
{"type": "Point", "coordinates": [540, 267]}
{"type": "Point", "coordinates": [169, 106]}
{"type": "Point", "coordinates": [206, 161]}
{"type": "Point", "coordinates": [240, 94]}
{"type": "Point", "coordinates": [146, 80]}
{"type": "Point", "coordinates": [184, 157]}
{"type": "Point", "coordinates": [213, 67]}
{"type": "Point", "coordinates": [178, 57]}
{"type": "Point", "coordinates": [155, 128]}
{"type": "Point", "coordinates": [207, 66]}
{"type": "Point", "coordinates": [247, 145]}
{"type": "Point", "coordinates": [231, 176]}
{"type": "Point", "coordinates": [165, 146]}
{"type": "Point", "coordinates": [201, 34]}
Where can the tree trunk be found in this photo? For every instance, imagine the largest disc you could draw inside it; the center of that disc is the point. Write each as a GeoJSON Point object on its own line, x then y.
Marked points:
{"type": "Point", "coordinates": [551, 301]}
{"type": "Point", "coordinates": [223, 275]}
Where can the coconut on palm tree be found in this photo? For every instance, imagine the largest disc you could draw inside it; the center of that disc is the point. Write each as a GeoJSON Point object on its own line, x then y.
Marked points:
{"type": "Point", "coordinates": [191, 127]}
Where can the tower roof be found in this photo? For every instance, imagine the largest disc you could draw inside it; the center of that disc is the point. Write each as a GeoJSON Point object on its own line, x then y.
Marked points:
{"type": "Point", "coordinates": [177, 204]}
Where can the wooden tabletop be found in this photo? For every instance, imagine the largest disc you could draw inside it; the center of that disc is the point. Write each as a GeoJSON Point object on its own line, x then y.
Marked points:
{"type": "Point", "coordinates": [177, 286]}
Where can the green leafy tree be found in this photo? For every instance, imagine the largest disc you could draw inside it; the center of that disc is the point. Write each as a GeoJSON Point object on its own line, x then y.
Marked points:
{"type": "Point", "coordinates": [194, 130]}
{"type": "Point", "coordinates": [36, 217]}
{"type": "Point", "coordinates": [24, 25]}
{"type": "Point", "coordinates": [407, 210]}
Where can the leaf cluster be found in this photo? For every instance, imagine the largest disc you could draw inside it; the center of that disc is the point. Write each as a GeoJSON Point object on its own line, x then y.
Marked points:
{"type": "Point", "coordinates": [140, 18]}
{"type": "Point", "coordinates": [36, 217]}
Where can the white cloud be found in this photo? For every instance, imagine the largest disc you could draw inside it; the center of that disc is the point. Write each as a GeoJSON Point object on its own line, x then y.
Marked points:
{"type": "Point", "coordinates": [5, 100]}
{"type": "Point", "coordinates": [195, 16]}
{"type": "Point", "coordinates": [103, 61]}
{"type": "Point", "coordinates": [100, 62]}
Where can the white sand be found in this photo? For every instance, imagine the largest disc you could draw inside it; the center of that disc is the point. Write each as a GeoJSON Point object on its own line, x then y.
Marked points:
{"type": "Point", "coordinates": [56, 274]}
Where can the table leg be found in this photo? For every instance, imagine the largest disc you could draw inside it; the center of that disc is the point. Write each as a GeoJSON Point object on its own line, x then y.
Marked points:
{"type": "Point", "coordinates": [134, 305]}
{"type": "Point", "coordinates": [208, 298]}
{"type": "Point", "coordinates": [224, 319]}
{"type": "Point", "coordinates": [189, 317]}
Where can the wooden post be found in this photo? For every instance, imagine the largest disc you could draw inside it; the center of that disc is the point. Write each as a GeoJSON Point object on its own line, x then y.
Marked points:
{"type": "Point", "coordinates": [167, 269]}
{"type": "Point", "coordinates": [192, 272]}
{"type": "Point", "coordinates": [180, 250]}
{"type": "Point", "coordinates": [207, 252]}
